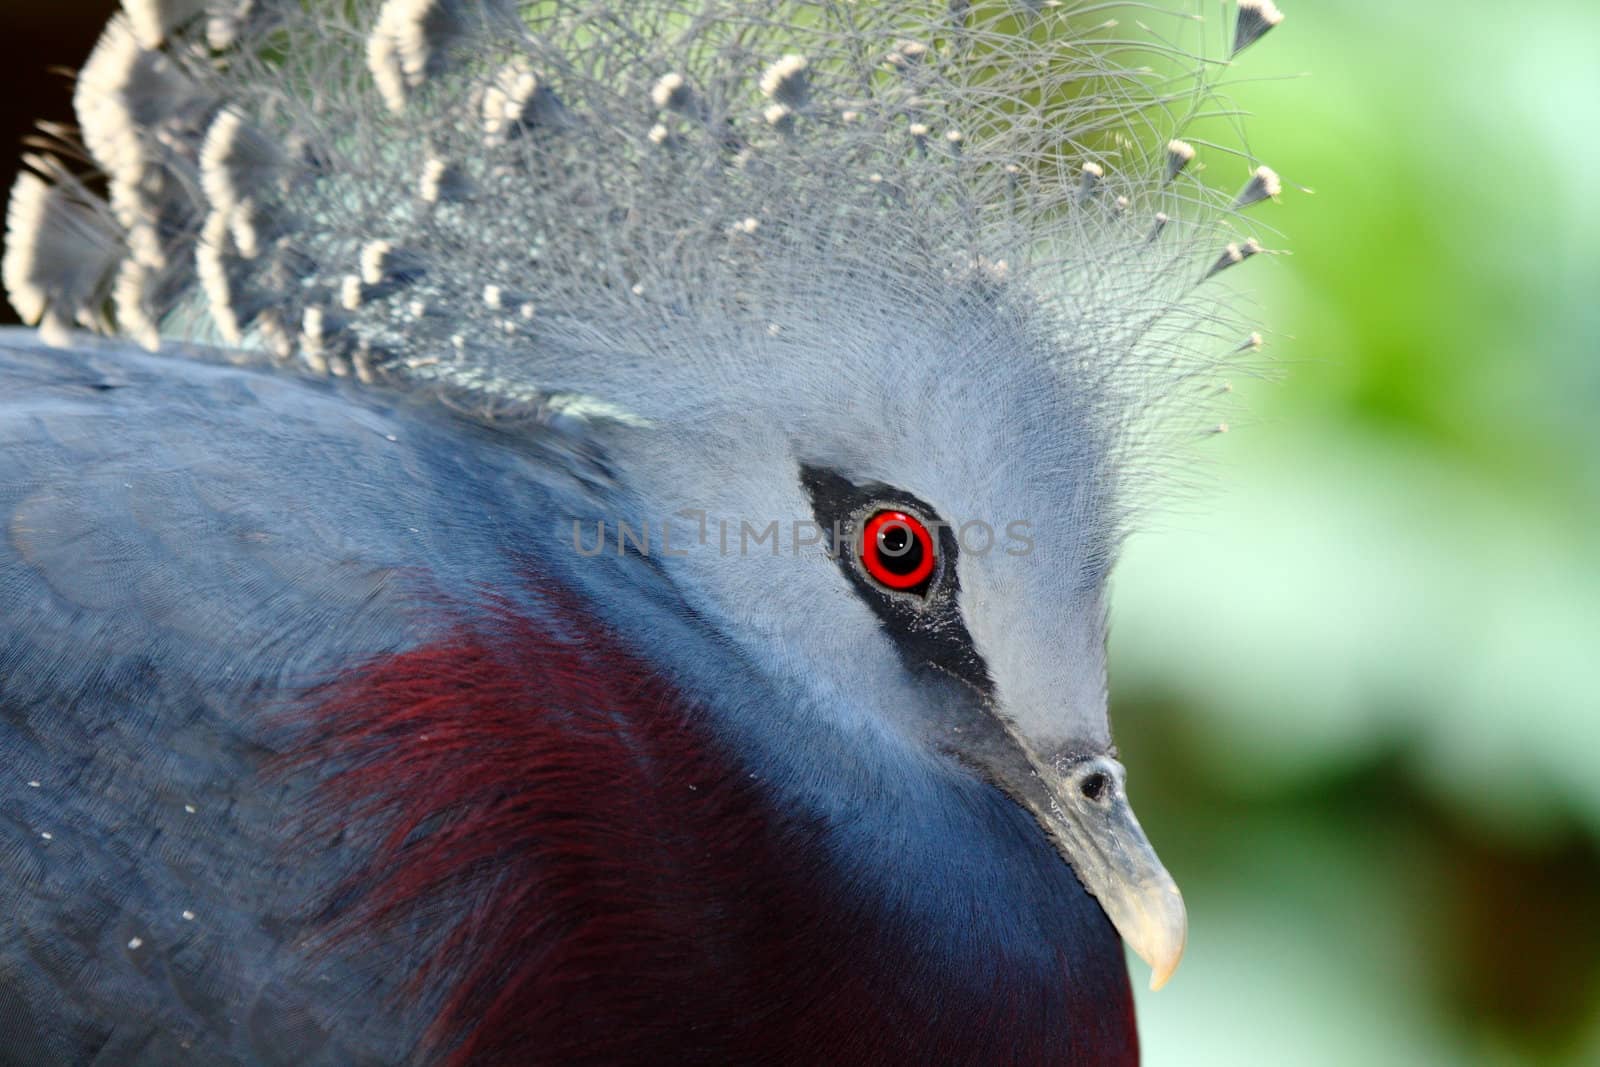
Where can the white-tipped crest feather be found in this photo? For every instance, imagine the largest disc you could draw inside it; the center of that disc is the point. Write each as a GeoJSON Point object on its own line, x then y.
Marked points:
{"type": "Point", "coordinates": [61, 250]}
{"type": "Point", "coordinates": [152, 20]}
{"type": "Point", "coordinates": [1179, 156]}
{"type": "Point", "coordinates": [410, 42]}
{"type": "Point", "coordinates": [1255, 18]}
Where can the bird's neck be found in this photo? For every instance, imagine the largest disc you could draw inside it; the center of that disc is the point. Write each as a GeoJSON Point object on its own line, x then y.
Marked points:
{"type": "Point", "coordinates": [626, 885]}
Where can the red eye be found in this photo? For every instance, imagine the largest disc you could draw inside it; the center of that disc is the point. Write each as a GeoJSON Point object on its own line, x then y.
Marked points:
{"type": "Point", "coordinates": [897, 550]}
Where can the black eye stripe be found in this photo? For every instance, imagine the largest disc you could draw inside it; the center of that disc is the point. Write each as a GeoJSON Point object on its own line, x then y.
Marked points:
{"type": "Point", "coordinates": [925, 622]}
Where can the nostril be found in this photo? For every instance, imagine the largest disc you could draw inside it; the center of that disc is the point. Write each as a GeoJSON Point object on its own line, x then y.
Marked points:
{"type": "Point", "coordinates": [1094, 786]}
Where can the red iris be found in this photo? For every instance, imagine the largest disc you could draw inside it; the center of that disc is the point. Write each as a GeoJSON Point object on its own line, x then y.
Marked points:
{"type": "Point", "coordinates": [897, 550]}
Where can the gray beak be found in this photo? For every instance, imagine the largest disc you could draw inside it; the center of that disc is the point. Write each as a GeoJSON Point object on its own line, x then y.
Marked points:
{"type": "Point", "coordinates": [1083, 806]}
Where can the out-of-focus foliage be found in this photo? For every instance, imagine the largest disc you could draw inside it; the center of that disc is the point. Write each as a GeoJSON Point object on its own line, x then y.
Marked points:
{"type": "Point", "coordinates": [1359, 688]}
{"type": "Point", "coordinates": [1358, 684]}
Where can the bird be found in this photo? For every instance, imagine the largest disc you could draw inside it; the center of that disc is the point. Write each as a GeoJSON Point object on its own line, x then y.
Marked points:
{"type": "Point", "coordinates": [579, 533]}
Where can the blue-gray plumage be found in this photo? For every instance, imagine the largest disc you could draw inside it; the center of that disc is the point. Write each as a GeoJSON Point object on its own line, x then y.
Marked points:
{"type": "Point", "coordinates": [608, 562]}
{"type": "Point", "coordinates": [183, 540]}
{"type": "Point", "coordinates": [189, 545]}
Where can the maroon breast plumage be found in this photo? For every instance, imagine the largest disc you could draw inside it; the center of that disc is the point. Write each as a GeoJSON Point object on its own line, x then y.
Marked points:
{"type": "Point", "coordinates": [605, 883]}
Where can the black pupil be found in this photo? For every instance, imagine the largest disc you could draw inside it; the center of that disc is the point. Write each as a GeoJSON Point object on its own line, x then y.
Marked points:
{"type": "Point", "coordinates": [899, 550]}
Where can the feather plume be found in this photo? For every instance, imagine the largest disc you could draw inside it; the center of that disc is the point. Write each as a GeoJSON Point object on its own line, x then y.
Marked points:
{"type": "Point", "coordinates": [693, 202]}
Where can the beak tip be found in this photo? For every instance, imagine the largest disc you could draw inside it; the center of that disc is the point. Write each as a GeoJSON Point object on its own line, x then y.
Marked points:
{"type": "Point", "coordinates": [1161, 943]}
{"type": "Point", "coordinates": [1161, 975]}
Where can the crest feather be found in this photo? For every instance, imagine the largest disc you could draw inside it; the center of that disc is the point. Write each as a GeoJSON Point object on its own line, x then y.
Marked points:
{"type": "Point", "coordinates": [665, 199]}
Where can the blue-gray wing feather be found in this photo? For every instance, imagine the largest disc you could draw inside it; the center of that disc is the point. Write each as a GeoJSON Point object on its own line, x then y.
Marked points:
{"type": "Point", "coordinates": [182, 547]}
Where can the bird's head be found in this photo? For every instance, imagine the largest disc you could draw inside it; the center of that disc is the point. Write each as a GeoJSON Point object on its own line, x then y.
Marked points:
{"type": "Point", "coordinates": [909, 527]}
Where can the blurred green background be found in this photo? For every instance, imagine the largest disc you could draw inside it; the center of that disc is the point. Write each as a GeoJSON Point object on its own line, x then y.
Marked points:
{"type": "Point", "coordinates": [1357, 681]}
{"type": "Point", "coordinates": [1358, 688]}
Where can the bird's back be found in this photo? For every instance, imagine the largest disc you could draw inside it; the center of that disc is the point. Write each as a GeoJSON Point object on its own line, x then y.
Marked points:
{"type": "Point", "coordinates": [186, 550]}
